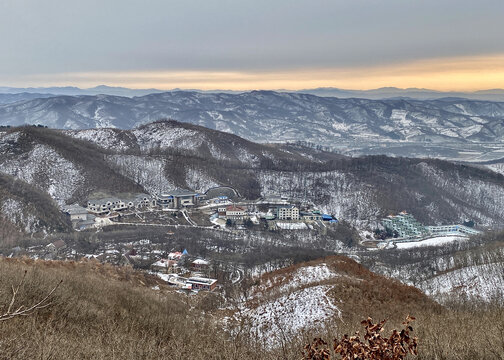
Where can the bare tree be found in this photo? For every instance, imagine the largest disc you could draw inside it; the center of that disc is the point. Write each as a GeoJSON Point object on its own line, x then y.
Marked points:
{"type": "Point", "coordinates": [23, 310]}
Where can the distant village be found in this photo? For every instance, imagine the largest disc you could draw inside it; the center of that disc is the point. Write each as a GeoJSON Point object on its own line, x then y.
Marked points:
{"type": "Point", "coordinates": [178, 268]}
{"type": "Point", "coordinates": [278, 212]}
{"type": "Point", "coordinates": [219, 210]}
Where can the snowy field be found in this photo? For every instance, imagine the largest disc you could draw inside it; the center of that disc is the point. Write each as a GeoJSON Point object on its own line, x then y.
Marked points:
{"type": "Point", "coordinates": [292, 226]}
{"type": "Point", "coordinates": [435, 241]}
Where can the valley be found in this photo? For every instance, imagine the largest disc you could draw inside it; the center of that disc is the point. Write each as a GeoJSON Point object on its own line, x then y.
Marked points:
{"type": "Point", "coordinates": [247, 216]}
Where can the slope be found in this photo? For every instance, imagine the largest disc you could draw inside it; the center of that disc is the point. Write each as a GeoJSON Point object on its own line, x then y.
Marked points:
{"type": "Point", "coordinates": [103, 312]}
{"type": "Point", "coordinates": [66, 168]}
{"type": "Point", "coordinates": [468, 271]}
{"type": "Point", "coordinates": [325, 292]}
{"type": "Point", "coordinates": [25, 209]}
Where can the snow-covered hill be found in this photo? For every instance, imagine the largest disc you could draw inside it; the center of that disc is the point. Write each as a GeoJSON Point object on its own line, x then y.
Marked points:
{"type": "Point", "coordinates": [307, 297]}
{"type": "Point", "coordinates": [465, 270]}
{"type": "Point", "coordinates": [25, 209]}
{"type": "Point", "coordinates": [58, 165]}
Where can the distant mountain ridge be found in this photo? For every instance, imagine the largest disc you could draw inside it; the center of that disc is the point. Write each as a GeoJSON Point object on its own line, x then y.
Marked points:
{"type": "Point", "coordinates": [409, 93]}
{"type": "Point", "coordinates": [268, 116]}
{"type": "Point", "coordinates": [75, 91]}
{"type": "Point", "coordinates": [372, 94]}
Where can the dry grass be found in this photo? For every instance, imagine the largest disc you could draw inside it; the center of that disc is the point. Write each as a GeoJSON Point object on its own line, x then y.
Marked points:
{"type": "Point", "coordinates": [107, 312]}
{"type": "Point", "coordinates": [102, 312]}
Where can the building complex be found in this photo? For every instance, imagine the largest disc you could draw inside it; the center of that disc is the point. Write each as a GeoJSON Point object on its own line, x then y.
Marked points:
{"type": "Point", "coordinates": [404, 225]}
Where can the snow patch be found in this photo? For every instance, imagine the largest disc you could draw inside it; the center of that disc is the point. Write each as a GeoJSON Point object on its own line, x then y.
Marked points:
{"type": "Point", "coordinates": [304, 309]}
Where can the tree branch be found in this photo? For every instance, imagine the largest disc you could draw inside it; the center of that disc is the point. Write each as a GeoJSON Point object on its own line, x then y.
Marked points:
{"type": "Point", "coordinates": [22, 310]}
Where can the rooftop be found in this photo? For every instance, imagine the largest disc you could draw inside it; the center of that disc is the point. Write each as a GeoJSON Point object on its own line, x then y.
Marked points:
{"type": "Point", "coordinates": [74, 209]}
{"type": "Point", "coordinates": [234, 208]}
{"type": "Point", "coordinates": [103, 200]}
{"type": "Point", "coordinates": [178, 192]}
{"type": "Point", "coordinates": [286, 207]}
{"type": "Point", "coordinates": [203, 281]}
{"type": "Point", "coordinates": [200, 262]}
{"type": "Point", "coordinates": [59, 244]}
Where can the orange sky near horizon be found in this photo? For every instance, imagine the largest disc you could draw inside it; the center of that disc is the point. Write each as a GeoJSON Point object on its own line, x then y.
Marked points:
{"type": "Point", "coordinates": [443, 74]}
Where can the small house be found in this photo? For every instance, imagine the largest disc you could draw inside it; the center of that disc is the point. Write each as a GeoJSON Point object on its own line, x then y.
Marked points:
{"type": "Point", "coordinates": [164, 266]}
{"type": "Point", "coordinates": [200, 264]}
{"type": "Point", "coordinates": [56, 246]}
{"type": "Point", "coordinates": [177, 255]}
{"type": "Point", "coordinates": [200, 283]}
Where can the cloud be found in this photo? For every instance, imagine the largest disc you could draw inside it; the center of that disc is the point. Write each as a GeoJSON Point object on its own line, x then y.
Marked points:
{"type": "Point", "coordinates": [270, 37]}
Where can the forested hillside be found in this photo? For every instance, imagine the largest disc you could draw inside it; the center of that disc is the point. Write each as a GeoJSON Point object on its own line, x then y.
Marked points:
{"type": "Point", "coordinates": [70, 166]}
{"type": "Point", "coordinates": [26, 209]}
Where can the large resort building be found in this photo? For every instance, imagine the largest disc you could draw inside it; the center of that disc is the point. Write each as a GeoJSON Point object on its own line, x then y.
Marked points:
{"type": "Point", "coordinates": [404, 224]}
{"type": "Point", "coordinates": [287, 212]}
{"type": "Point", "coordinates": [107, 205]}
{"type": "Point", "coordinates": [177, 199]}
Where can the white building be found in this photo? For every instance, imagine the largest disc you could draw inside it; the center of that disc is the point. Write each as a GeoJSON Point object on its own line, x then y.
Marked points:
{"type": "Point", "coordinates": [140, 201]}
{"type": "Point", "coordinates": [449, 229]}
{"type": "Point", "coordinates": [200, 283]}
{"type": "Point", "coordinates": [287, 212]}
{"type": "Point", "coordinates": [106, 205]}
{"type": "Point", "coordinates": [235, 212]}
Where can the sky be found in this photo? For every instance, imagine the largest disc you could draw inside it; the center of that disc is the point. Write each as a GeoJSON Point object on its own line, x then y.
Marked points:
{"type": "Point", "coordinates": [243, 45]}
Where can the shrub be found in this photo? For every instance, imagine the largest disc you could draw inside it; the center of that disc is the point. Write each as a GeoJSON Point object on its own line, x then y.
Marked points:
{"type": "Point", "coordinates": [374, 346]}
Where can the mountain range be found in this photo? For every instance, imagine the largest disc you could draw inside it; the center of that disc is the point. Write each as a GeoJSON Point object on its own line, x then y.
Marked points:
{"type": "Point", "coordinates": [374, 94]}
{"type": "Point", "coordinates": [267, 116]}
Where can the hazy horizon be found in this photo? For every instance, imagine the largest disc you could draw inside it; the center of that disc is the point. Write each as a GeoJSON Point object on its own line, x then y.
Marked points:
{"type": "Point", "coordinates": [98, 85]}
{"type": "Point", "coordinates": [361, 44]}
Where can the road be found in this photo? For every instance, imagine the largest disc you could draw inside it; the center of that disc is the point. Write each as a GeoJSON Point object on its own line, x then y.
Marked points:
{"type": "Point", "coordinates": [188, 219]}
